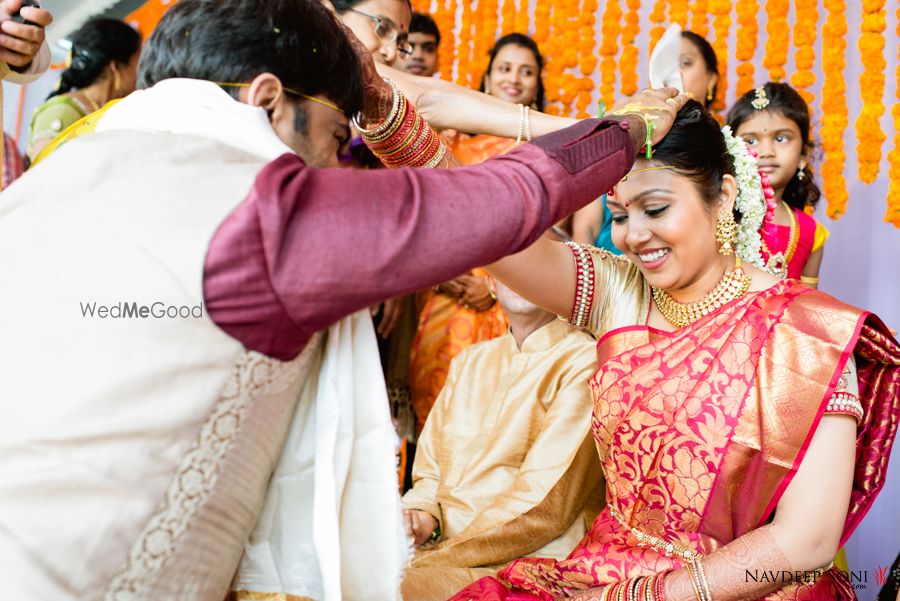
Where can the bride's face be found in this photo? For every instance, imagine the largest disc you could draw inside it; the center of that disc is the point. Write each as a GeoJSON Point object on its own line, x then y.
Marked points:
{"type": "Point", "coordinates": [661, 223]}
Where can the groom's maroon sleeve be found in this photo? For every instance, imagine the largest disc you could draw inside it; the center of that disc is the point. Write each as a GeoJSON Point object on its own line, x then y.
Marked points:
{"type": "Point", "coordinates": [309, 246]}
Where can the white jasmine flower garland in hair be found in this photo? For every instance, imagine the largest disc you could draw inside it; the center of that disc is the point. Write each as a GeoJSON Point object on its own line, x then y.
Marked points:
{"type": "Point", "coordinates": [750, 201]}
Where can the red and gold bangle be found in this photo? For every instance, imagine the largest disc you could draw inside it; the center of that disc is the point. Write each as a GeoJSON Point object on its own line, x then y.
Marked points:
{"type": "Point", "coordinates": [412, 143]}
{"type": "Point", "coordinates": [401, 133]}
{"type": "Point", "coordinates": [423, 149]}
{"type": "Point", "coordinates": [584, 285]}
{"type": "Point", "coordinates": [659, 591]}
{"type": "Point", "coordinates": [399, 120]}
{"type": "Point", "coordinates": [405, 155]}
{"type": "Point", "coordinates": [404, 136]}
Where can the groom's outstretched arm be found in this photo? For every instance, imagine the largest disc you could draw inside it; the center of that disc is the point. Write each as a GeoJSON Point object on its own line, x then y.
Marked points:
{"type": "Point", "coordinates": [309, 246]}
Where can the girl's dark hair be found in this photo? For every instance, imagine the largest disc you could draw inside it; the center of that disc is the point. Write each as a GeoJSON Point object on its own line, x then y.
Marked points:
{"type": "Point", "coordinates": [696, 149]}
{"type": "Point", "coordinates": [709, 58]}
{"type": "Point", "coordinates": [785, 101]}
{"type": "Point", "coordinates": [342, 6]}
{"type": "Point", "coordinates": [519, 39]}
{"type": "Point", "coordinates": [94, 46]}
{"type": "Point", "coordinates": [298, 41]}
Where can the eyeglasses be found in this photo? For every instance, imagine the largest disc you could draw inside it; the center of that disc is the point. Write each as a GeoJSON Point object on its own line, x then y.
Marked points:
{"type": "Point", "coordinates": [330, 105]}
{"type": "Point", "coordinates": [387, 31]}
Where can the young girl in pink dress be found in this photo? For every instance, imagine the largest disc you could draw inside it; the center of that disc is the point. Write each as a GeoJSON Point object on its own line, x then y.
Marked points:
{"type": "Point", "coordinates": [774, 121]}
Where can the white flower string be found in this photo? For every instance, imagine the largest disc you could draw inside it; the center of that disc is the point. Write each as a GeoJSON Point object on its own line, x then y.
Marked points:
{"type": "Point", "coordinates": [750, 202]}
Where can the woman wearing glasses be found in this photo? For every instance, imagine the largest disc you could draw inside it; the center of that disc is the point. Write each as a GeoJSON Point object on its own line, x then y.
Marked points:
{"type": "Point", "coordinates": [381, 25]}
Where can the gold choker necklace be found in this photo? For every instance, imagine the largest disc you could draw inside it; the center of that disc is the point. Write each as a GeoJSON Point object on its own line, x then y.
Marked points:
{"type": "Point", "coordinates": [734, 284]}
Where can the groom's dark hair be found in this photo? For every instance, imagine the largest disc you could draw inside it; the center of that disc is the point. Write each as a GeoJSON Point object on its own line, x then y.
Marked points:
{"type": "Point", "coordinates": [233, 41]}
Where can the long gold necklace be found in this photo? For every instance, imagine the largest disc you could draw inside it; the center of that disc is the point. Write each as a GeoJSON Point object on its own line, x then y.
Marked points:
{"type": "Point", "coordinates": [734, 284]}
{"type": "Point", "coordinates": [777, 263]}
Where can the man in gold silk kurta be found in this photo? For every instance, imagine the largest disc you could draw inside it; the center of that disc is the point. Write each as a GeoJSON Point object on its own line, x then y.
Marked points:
{"type": "Point", "coordinates": [505, 464]}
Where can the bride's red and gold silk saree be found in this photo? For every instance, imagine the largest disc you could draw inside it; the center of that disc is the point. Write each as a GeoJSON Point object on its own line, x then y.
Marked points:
{"type": "Point", "coordinates": [701, 430]}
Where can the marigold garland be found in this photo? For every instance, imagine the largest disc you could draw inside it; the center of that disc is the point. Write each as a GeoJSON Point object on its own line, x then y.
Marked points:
{"type": "Point", "coordinates": [464, 46]}
{"type": "Point", "coordinates": [446, 22]}
{"type": "Point", "coordinates": [807, 19]}
{"type": "Point", "coordinates": [507, 17]}
{"type": "Point", "coordinates": [747, 34]}
{"type": "Point", "coordinates": [523, 17]}
{"type": "Point", "coordinates": [871, 84]}
{"type": "Point", "coordinates": [542, 23]}
{"type": "Point", "coordinates": [658, 19]}
{"type": "Point", "coordinates": [628, 62]}
{"type": "Point", "coordinates": [721, 9]}
{"type": "Point", "coordinates": [587, 62]}
{"type": "Point", "coordinates": [678, 12]}
{"type": "Point", "coordinates": [778, 36]}
{"type": "Point", "coordinates": [892, 215]}
{"type": "Point", "coordinates": [834, 108]}
{"type": "Point", "coordinates": [608, 49]}
{"type": "Point", "coordinates": [700, 18]}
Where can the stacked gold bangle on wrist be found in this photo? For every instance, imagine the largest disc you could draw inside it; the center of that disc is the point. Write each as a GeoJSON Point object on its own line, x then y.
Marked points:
{"type": "Point", "coordinates": [698, 580]}
{"type": "Point", "coordinates": [404, 139]}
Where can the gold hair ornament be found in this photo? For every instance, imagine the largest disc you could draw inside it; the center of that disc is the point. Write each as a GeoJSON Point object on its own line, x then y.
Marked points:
{"type": "Point", "coordinates": [761, 100]}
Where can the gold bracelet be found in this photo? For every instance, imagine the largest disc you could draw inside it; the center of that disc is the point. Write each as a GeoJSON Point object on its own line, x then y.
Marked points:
{"type": "Point", "coordinates": [810, 280]}
{"type": "Point", "coordinates": [379, 129]}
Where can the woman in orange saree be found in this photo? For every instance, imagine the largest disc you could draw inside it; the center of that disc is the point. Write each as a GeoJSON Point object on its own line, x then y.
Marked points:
{"type": "Point", "coordinates": [743, 426]}
{"type": "Point", "coordinates": [464, 311]}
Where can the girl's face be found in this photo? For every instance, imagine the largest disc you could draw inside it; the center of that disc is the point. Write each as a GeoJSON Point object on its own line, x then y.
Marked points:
{"type": "Point", "coordinates": [664, 226]}
{"type": "Point", "coordinates": [778, 144]}
{"type": "Point", "coordinates": [514, 75]}
{"type": "Point", "coordinates": [696, 79]}
{"type": "Point", "coordinates": [392, 16]}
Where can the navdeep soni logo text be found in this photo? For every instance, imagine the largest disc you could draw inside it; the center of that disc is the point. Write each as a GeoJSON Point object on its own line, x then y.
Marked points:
{"type": "Point", "coordinates": [134, 310]}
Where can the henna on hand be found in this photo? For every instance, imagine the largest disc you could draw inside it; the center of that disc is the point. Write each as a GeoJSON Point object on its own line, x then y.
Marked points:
{"type": "Point", "coordinates": [379, 96]}
{"type": "Point", "coordinates": [728, 570]}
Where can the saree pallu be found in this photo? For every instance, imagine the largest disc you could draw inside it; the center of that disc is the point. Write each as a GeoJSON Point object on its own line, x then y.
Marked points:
{"type": "Point", "coordinates": [445, 328]}
{"type": "Point", "coordinates": [701, 430]}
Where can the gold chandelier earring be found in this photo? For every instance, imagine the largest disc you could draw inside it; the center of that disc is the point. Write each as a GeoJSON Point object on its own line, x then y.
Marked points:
{"type": "Point", "coordinates": [726, 232]}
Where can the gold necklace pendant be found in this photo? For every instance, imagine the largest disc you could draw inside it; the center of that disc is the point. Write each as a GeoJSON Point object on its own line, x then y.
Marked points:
{"type": "Point", "coordinates": [734, 284]}
{"type": "Point", "coordinates": [777, 264]}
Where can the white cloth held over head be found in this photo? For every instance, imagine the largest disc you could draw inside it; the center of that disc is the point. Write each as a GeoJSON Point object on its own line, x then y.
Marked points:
{"type": "Point", "coordinates": [665, 60]}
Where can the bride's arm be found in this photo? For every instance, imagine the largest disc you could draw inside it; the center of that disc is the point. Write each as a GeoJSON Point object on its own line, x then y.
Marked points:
{"type": "Point", "coordinates": [445, 105]}
{"type": "Point", "coordinates": [804, 535]}
{"type": "Point", "coordinates": [543, 273]}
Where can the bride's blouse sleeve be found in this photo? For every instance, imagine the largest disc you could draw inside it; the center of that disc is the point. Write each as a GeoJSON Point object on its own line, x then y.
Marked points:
{"type": "Point", "coordinates": [845, 400]}
{"type": "Point", "coordinates": [610, 291]}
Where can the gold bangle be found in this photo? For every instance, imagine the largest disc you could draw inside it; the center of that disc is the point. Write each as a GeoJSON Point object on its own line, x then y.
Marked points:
{"type": "Point", "coordinates": [381, 127]}
{"type": "Point", "coordinates": [808, 279]}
